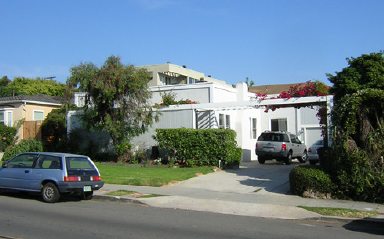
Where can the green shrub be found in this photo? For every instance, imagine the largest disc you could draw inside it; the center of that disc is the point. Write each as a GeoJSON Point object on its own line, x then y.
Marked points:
{"type": "Point", "coordinates": [309, 177]}
{"type": "Point", "coordinates": [25, 145]}
{"type": "Point", "coordinates": [205, 147]}
{"type": "Point", "coordinates": [357, 177]}
{"type": "Point", "coordinates": [7, 136]}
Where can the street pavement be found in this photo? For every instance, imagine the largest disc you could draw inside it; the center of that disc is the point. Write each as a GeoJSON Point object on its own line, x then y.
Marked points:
{"type": "Point", "coordinates": [252, 190]}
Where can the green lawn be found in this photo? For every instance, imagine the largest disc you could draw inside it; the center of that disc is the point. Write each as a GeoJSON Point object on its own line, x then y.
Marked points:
{"type": "Point", "coordinates": [155, 177]}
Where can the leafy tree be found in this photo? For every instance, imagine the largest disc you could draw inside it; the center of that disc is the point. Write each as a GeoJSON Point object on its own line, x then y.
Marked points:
{"type": "Point", "coordinates": [358, 121]}
{"type": "Point", "coordinates": [54, 129]}
{"type": "Point", "coordinates": [4, 91]}
{"type": "Point", "coordinates": [359, 97]}
{"type": "Point", "coordinates": [249, 83]}
{"type": "Point", "coordinates": [4, 81]}
{"type": "Point", "coordinates": [117, 100]}
{"type": "Point", "coordinates": [38, 86]}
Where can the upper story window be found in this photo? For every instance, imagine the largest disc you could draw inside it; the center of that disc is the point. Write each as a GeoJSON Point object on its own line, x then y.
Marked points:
{"type": "Point", "coordinates": [192, 80]}
{"type": "Point", "coordinates": [38, 115]}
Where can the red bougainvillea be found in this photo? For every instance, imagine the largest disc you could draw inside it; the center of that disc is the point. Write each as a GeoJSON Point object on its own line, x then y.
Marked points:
{"type": "Point", "coordinates": [310, 88]}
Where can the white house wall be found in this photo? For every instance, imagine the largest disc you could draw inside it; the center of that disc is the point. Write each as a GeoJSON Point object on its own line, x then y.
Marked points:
{"type": "Point", "coordinates": [217, 99]}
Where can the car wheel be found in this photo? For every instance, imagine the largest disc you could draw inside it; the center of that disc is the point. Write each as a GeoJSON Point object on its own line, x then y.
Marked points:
{"type": "Point", "coordinates": [261, 160]}
{"type": "Point", "coordinates": [288, 159]}
{"type": "Point", "coordinates": [304, 158]}
{"type": "Point", "coordinates": [50, 193]}
{"type": "Point", "coordinates": [87, 195]}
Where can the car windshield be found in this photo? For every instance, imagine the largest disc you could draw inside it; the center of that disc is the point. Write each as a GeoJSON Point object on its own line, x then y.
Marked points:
{"type": "Point", "coordinates": [319, 142]}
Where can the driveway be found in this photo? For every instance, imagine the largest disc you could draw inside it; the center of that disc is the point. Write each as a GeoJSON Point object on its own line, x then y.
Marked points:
{"type": "Point", "coordinates": [251, 177]}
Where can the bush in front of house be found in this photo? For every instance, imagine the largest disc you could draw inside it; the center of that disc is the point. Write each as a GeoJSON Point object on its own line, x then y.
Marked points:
{"type": "Point", "coordinates": [25, 145]}
{"type": "Point", "coordinates": [310, 178]}
{"type": "Point", "coordinates": [7, 136]}
{"type": "Point", "coordinates": [200, 147]}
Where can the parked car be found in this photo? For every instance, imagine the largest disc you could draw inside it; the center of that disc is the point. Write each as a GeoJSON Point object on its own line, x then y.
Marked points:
{"type": "Point", "coordinates": [313, 156]}
{"type": "Point", "coordinates": [51, 174]}
{"type": "Point", "coordinates": [280, 145]}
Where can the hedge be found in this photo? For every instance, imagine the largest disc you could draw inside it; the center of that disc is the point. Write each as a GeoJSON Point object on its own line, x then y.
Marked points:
{"type": "Point", "coordinates": [201, 147]}
{"type": "Point", "coordinates": [309, 177]}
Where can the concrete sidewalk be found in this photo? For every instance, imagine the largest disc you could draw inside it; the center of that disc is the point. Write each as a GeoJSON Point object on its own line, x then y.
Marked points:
{"type": "Point", "coordinates": [252, 190]}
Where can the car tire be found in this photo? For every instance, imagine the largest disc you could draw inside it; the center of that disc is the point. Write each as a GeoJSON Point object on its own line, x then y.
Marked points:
{"type": "Point", "coordinates": [50, 193]}
{"type": "Point", "coordinates": [304, 158]}
{"type": "Point", "coordinates": [288, 159]}
{"type": "Point", "coordinates": [261, 160]}
{"type": "Point", "coordinates": [87, 195]}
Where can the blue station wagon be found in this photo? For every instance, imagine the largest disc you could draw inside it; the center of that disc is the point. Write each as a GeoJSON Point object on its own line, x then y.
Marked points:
{"type": "Point", "coordinates": [51, 174]}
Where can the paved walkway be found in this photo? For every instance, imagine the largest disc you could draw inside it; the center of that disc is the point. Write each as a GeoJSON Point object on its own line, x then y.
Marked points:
{"type": "Point", "coordinates": [253, 190]}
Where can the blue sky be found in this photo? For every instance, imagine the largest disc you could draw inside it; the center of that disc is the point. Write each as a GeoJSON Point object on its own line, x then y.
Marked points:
{"type": "Point", "coordinates": [268, 41]}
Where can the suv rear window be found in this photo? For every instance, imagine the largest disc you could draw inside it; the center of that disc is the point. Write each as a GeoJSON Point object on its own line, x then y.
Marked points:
{"type": "Point", "coordinates": [273, 137]}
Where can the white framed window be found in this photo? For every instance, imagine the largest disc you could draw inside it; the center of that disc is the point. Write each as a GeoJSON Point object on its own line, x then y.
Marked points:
{"type": "Point", "coordinates": [38, 115]}
{"type": "Point", "coordinates": [2, 118]}
{"type": "Point", "coordinates": [6, 118]}
{"type": "Point", "coordinates": [9, 119]}
{"type": "Point", "coordinates": [279, 124]}
{"type": "Point", "coordinates": [253, 124]}
{"type": "Point", "coordinates": [224, 121]}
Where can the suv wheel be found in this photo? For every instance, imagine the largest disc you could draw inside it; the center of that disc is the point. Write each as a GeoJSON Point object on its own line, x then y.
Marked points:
{"type": "Point", "coordinates": [288, 159]}
{"type": "Point", "coordinates": [261, 160]}
{"type": "Point", "coordinates": [50, 193]}
{"type": "Point", "coordinates": [304, 158]}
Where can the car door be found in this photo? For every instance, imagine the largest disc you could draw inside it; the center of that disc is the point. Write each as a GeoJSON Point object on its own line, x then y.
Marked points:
{"type": "Point", "coordinates": [296, 146]}
{"type": "Point", "coordinates": [48, 167]}
{"type": "Point", "coordinates": [16, 173]}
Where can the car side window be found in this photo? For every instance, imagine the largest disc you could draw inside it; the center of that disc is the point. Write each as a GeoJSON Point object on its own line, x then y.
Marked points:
{"type": "Point", "coordinates": [23, 161]}
{"type": "Point", "coordinates": [49, 162]}
{"type": "Point", "coordinates": [286, 139]}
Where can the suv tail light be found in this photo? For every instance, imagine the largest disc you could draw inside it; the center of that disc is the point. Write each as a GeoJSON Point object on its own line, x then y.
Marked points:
{"type": "Point", "coordinates": [256, 146]}
{"type": "Point", "coordinates": [309, 150]}
{"type": "Point", "coordinates": [283, 147]}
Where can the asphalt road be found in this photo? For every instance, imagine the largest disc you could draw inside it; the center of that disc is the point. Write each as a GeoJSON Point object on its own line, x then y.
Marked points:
{"type": "Point", "coordinates": [25, 216]}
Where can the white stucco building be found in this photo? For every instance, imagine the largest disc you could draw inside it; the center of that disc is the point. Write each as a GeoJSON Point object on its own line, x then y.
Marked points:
{"type": "Point", "coordinates": [223, 106]}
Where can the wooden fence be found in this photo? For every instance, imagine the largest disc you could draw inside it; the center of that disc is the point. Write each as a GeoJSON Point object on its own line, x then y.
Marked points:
{"type": "Point", "coordinates": [32, 129]}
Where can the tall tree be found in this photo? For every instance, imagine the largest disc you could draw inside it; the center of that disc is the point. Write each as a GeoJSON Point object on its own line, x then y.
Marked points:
{"type": "Point", "coordinates": [358, 119]}
{"type": "Point", "coordinates": [359, 97]}
{"type": "Point", "coordinates": [117, 100]}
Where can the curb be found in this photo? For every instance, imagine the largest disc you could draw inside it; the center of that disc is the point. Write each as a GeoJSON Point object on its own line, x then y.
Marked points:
{"type": "Point", "coordinates": [371, 221]}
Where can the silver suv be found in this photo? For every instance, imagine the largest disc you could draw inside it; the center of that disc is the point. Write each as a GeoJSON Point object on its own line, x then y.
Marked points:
{"type": "Point", "coordinates": [51, 174]}
{"type": "Point", "coordinates": [280, 145]}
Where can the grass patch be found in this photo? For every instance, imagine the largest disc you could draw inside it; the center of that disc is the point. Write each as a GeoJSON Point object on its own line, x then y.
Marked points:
{"type": "Point", "coordinates": [341, 212]}
{"type": "Point", "coordinates": [154, 177]}
{"type": "Point", "coordinates": [151, 196]}
{"type": "Point", "coordinates": [120, 193]}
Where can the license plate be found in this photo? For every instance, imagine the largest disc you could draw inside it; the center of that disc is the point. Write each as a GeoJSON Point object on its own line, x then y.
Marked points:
{"type": "Point", "coordinates": [268, 149]}
{"type": "Point", "coordinates": [87, 189]}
